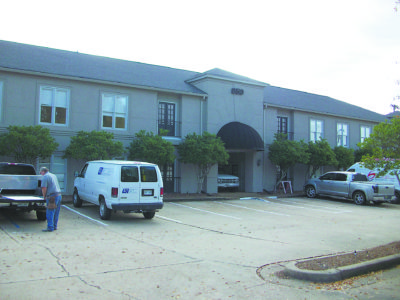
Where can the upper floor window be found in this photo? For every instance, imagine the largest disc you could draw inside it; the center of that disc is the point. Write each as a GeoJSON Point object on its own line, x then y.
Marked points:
{"type": "Point", "coordinates": [342, 135]}
{"type": "Point", "coordinates": [365, 132]}
{"type": "Point", "coordinates": [316, 130]}
{"type": "Point", "coordinates": [282, 125]}
{"type": "Point", "coordinates": [54, 103]}
{"type": "Point", "coordinates": [115, 109]}
{"type": "Point", "coordinates": [167, 117]}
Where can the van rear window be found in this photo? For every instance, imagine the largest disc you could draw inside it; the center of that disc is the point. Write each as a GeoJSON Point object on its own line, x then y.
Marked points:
{"type": "Point", "coordinates": [129, 174]}
{"type": "Point", "coordinates": [148, 174]}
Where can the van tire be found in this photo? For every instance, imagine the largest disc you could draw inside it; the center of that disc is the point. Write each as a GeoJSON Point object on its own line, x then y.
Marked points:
{"type": "Point", "coordinates": [105, 212]}
{"type": "Point", "coordinates": [359, 198]}
{"type": "Point", "coordinates": [149, 214]}
{"type": "Point", "coordinates": [76, 200]}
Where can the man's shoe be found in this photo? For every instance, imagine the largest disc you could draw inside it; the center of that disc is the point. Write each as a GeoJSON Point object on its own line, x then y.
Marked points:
{"type": "Point", "coordinates": [47, 230]}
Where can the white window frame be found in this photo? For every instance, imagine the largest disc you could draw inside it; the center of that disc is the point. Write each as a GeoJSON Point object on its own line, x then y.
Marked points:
{"type": "Point", "coordinates": [342, 134]}
{"type": "Point", "coordinates": [363, 132]}
{"type": "Point", "coordinates": [314, 124]}
{"type": "Point", "coordinates": [53, 104]}
{"type": "Point", "coordinates": [113, 113]}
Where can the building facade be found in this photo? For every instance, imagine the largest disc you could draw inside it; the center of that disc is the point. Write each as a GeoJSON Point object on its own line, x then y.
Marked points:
{"type": "Point", "coordinates": [68, 92]}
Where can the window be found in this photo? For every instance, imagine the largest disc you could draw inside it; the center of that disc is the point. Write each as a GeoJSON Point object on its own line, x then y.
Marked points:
{"type": "Point", "coordinates": [342, 135]}
{"type": "Point", "coordinates": [115, 109]}
{"type": "Point", "coordinates": [365, 132]}
{"type": "Point", "coordinates": [1, 97]}
{"type": "Point", "coordinates": [54, 104]}
{"type": "Point", "coordinates": [283, 125]}
{"type": "Point", "coordinates": [316, 130]}
{"type": "Point", "coordinates": [166, 117]}
{"type": "Point", "coordinates": [148, 174]}
{"type": "Point", "coordinates": [129, 174]}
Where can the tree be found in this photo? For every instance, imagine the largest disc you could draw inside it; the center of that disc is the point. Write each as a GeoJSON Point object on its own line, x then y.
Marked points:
{"type": "Point", "coordinates": [151, 148]}
{"type": "Point", "coordinates": [321, 154]}
{"type": "Point", "coordinates": [285, 154]}
{"type": "Point", "coordinates": [344, 157]}
{"type": "Point", "coordinates": [204, 151]}
{"type": "Point", "coordinates": [360, 152]}
{"type": "Point", "coordinates": [93, 145]}
{"type": "Point", "coordinates": [27, 143]}
{"type": "Point", "coordinates": [384, 143]}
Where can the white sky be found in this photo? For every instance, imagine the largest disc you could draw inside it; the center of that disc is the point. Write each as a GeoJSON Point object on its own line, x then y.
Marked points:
{"type": "Point", "coordinates": [346, 49]}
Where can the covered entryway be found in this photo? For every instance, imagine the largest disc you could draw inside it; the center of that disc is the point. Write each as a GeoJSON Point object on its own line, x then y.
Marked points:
{"type": "Point", "coordinates": [243, 143]}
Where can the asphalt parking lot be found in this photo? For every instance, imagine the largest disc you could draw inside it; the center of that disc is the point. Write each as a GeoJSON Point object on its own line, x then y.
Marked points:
{"type": "Point", "coordinates": [217, 249]}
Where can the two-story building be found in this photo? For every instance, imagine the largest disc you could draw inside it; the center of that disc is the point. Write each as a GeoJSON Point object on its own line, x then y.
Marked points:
{"type": "Point", "coordinates": [69, 91]}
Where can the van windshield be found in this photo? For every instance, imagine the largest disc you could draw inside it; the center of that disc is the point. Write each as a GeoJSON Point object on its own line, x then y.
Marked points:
{"type": "Point", "coordinates": [148, 174]}
{"type": "Point", "coordinates": [129, 174]}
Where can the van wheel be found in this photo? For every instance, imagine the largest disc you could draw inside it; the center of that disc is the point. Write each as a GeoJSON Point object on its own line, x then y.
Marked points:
{"type": "Point", "coordinates": [76, 200]}
{"type": "Point", "coordinates": [359, 198]}
{"type": "Point", "coordinates": [105, 212]}
{"type": "Point", "coordinates": [310, 191]}
{"type": "Point", "coordinates": [149, 214]}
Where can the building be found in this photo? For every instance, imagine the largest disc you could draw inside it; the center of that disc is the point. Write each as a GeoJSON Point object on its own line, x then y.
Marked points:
{"type": "Point", "coordinates": [68, 92]}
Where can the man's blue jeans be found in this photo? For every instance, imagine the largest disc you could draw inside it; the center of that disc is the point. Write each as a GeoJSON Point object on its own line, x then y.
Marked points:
{"type": "Point", "coordinates": [52, 214]}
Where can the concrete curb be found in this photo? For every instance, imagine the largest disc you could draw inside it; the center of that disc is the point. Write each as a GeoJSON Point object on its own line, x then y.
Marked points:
{"type": "Point", "coordinates": [341, 273]}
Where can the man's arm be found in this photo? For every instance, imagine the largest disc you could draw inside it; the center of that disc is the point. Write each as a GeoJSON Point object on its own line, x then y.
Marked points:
{"type": "Point", "coordinates": [44, 191]}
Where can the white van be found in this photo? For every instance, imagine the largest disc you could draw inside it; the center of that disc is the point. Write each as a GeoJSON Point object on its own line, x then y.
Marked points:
{"type": "Point", "coordinates": [120, 185]}
{"type": "Point", "coordinates": [372, 176]}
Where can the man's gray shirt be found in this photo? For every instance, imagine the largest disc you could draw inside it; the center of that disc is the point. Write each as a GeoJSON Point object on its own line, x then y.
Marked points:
{"type": "Point", "coordinates": [50, 182]}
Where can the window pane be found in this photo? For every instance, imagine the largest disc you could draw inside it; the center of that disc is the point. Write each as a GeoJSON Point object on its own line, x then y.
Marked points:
{"type": "Point", "coordinates": [119, 122]}
{"type": "Point", "coordinates": [107, 121]}
{"type": "Point", "coordinates": [45, 97]}
{"type": "Point", "coordinates": [129, 174]}
{"type": "Point", "coordinates": [61, 98]}
{"type": "Point", "coordinates": [108, 103]}
{"type": "Point", "coordinates": [148, 174]}
{"type": "Point", "coordinates": [61, 115]}
{"type": "Point", "coordinates": [45, 114]}
{"type": "Point", "coordinates": [120, 104]}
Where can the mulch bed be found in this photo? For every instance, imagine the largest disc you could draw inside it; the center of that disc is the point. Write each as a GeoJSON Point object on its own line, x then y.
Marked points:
{"type": "Point", "coordinates": [352, 258]}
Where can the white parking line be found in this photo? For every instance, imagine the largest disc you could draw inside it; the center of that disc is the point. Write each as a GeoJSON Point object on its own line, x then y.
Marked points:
{"type": "Point", "coordinates": [168, 219]}
{"type": "Point", "coordinates": [207, 211]}
{"type": "Point", "coordinates": [330, 210]}
{"type": "Point", "coordinates": [257, 210]}
{"type": "Point", "coordinates": [85, 216]}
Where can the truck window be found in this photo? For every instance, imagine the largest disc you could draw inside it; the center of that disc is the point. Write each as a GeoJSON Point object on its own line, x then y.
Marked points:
{"type": "Point", "coordinates": [341, 177]}
{"type": "Point", "coordinates": [16, 169]}
{"type": "Point", "coordinates": [359, 177]}
{"type": "Point", "coordinates": [148, 174]}
{"type": "Point", "coordinates": [129, 174]}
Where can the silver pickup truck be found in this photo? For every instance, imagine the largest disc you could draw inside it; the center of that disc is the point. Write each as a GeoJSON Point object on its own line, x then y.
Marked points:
{"type": "Point", "coordinates": [349, 185]}
{"type": "Point", "coordinates": [20, 189]}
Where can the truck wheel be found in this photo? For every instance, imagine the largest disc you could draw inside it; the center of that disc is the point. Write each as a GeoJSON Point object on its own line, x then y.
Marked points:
{"type": "Point", "coordinates": [397, 199]}
{"type": "Point", "coordinates": [41, 215]}
{"type": "Point", "coordinates": [76, 200]}
{"type": "Point", "coordinates": [105, 212]}
{"type": "Point", "coordinates": [359, 198]}
{"type": "Point", "coordinates": [149, 214]}
{"type": "Point", "coordinates": [310, 191]}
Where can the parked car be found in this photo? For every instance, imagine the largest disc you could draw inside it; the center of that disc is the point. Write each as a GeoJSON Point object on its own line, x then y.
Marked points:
{"type": "Point", "coordinates": [349, 185]}
{"type": "Point", "coordinates": [372, 176]}
{"type": "Point", "coordinates": [226, 181]}
{"type": "Point", "coordinates": [120, 185]}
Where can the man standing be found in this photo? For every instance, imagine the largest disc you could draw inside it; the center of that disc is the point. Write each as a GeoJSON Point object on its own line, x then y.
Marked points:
{"type": "Point", "coordinates": [52, 193]}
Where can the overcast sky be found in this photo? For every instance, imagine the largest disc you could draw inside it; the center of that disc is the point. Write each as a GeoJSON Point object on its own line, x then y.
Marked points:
{"type": "Point", "coordinates": [346, 49]}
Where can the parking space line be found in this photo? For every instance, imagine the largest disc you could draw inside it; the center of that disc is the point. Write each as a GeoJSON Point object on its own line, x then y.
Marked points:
{"type": "Point", "coordinates": [85, 216]}
{"type": "Point", "coordinates": [206, 211]}
{"type": "Point", "coordinates": [168, 219]}
{"type": "Point", "coordinates": [318, 207]}
{"type": "Point", "coordinates": [253, 209]}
